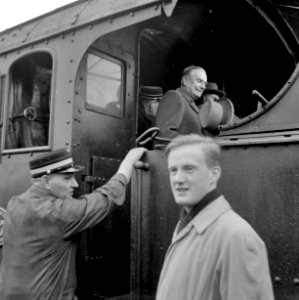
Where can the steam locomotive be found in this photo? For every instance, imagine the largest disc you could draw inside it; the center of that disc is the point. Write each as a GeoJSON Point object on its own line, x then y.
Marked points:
{"type": "Point", "coordinates": [70, 78]}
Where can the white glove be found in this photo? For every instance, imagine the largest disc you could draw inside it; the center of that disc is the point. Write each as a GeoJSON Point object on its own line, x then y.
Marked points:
{"type": "Point", "coordinates": [126, 166]}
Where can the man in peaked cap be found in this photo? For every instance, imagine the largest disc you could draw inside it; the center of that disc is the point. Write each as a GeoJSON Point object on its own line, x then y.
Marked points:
{"type": "Point", "coordinates": [149, 97]}
{"type": "Point", "coordinates": [41, 224]}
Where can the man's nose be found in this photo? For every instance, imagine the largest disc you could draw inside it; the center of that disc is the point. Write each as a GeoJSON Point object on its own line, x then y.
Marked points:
{"type": "Point", "coordinates": [179, 176]}
{"type": "Point", "coordinates": [74, 183]}
{"type": "Point", "coordinates": [203, 84]}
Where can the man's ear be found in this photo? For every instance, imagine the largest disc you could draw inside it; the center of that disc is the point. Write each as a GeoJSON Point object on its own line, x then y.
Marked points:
{"type": "Point", "coordinates": [215, 174]}
{"type": "Point", "coordinates": [45, 181]}
{"type": "Point", "coordinates": [184, 79]}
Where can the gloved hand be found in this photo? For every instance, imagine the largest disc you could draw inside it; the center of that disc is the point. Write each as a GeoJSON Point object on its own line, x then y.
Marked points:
{"type": "Point", "coordinates": [128, 162]}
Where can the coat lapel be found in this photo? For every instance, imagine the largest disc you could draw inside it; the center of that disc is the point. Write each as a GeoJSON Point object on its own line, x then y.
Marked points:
{"type": "Point", "coordinates": [204, 219]}
{"type": "Point", "coordinates": [188, 99]}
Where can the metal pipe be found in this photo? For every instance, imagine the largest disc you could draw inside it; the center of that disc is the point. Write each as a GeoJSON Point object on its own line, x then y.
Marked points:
{"type": "Point", "coordinates": [262, 99]}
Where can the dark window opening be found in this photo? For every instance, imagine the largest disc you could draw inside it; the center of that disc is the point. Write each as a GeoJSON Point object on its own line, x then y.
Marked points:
{"type": "Point", "coordinates": [236, 45]}
{"type": "Point", "coordinates": [28, 110]}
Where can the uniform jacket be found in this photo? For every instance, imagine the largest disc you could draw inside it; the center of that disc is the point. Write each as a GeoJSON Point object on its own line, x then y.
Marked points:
{"type": "Point", "coordinates": [177, 114]}
{"type": "Point", "coordinates": [40, 240]}
{"type": "Point", "coordinates": [217, 256]}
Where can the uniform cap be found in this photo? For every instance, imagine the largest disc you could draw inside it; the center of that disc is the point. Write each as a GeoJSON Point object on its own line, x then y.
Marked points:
{"type": "Point", "coordinates": [212, 88]}
{"type": "Point", "coordinates": [150, 93]}
{"type": "Point", "coordinates": [57, 161]}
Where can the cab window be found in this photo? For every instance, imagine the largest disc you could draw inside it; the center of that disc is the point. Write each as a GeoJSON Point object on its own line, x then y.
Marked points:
{"type": "Point", "coordinates": [104, 84]}
{"type": "Point", "coordinates": [28, 107]}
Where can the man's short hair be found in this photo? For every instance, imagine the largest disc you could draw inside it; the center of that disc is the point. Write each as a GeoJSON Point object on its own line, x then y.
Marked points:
{"type": "Point", "coordinates": [189, 69]}
{"type": "Point", "coordinates": [210, 147]}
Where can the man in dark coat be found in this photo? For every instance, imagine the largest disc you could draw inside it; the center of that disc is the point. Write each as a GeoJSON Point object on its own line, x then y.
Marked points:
{"type": "Point", "coordinates": [177, 112]}
{"type": "Point", "coordinates": [41, 224]}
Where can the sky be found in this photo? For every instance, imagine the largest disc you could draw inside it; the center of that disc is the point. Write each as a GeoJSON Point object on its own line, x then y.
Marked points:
{"type": "Point", "coordinates": [14, 12]}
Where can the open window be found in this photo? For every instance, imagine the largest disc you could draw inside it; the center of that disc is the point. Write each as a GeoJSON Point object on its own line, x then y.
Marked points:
{"type": "Point", "coordinates": [28, 106]}
{"type": "Point", "coordinates": [104, 84]}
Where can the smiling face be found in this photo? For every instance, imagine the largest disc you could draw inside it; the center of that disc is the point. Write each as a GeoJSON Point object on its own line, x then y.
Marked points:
{"type": "Point", "coordinates": [190, 176]}
{"type": "Point", "coordinates": [195, 82]}
{"type": "Point", "coordinates": [61, 185]}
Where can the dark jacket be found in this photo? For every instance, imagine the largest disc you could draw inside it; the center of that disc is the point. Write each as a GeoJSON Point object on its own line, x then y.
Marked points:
{"type": "Point", "coordinates": [177, 114]}
{"type": "Point", "coordinates": [40, 240]}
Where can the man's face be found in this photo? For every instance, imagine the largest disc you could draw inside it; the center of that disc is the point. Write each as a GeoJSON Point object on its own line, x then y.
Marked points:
{"type": "Point", "coordinates": [195, 83]}
{"type": "Point", "coordinates": [190, 177]}
{"type": "Point", "coordinates": [151, 108]}
{"type": "Point", "coordinates": [62, 185]}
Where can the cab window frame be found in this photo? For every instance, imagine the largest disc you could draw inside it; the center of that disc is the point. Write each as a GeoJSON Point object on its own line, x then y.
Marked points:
{"type": "Point", "coordinates": [120, 111]}
{"type": "Point", "coordinates": [8, 98]}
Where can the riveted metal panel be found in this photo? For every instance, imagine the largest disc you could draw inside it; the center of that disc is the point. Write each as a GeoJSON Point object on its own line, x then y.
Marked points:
{"type": "Point", "coordinates": [262, 185]}
{"type": "Point", "coordinates": [104, 262]}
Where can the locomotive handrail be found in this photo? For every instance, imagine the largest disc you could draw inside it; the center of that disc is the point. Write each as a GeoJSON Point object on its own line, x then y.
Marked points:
{"type": "Point", "coordinates": [144, 139]}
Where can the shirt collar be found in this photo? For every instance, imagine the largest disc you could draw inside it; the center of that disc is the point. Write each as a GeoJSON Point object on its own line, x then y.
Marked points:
{"type": "Point", "coordinates": [185, 217]}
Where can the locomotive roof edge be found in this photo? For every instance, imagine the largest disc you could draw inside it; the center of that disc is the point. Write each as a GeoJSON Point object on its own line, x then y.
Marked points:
{"type": "Point", "coordinates": [70, 17]}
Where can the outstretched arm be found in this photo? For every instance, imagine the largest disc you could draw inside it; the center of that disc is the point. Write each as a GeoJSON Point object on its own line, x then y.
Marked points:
{"type": "Point", "coordinates": [90, 209]}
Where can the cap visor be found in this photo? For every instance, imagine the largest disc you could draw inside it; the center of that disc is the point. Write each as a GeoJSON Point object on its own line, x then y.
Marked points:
{"type": "Point", "coordinates": [73, 169]}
